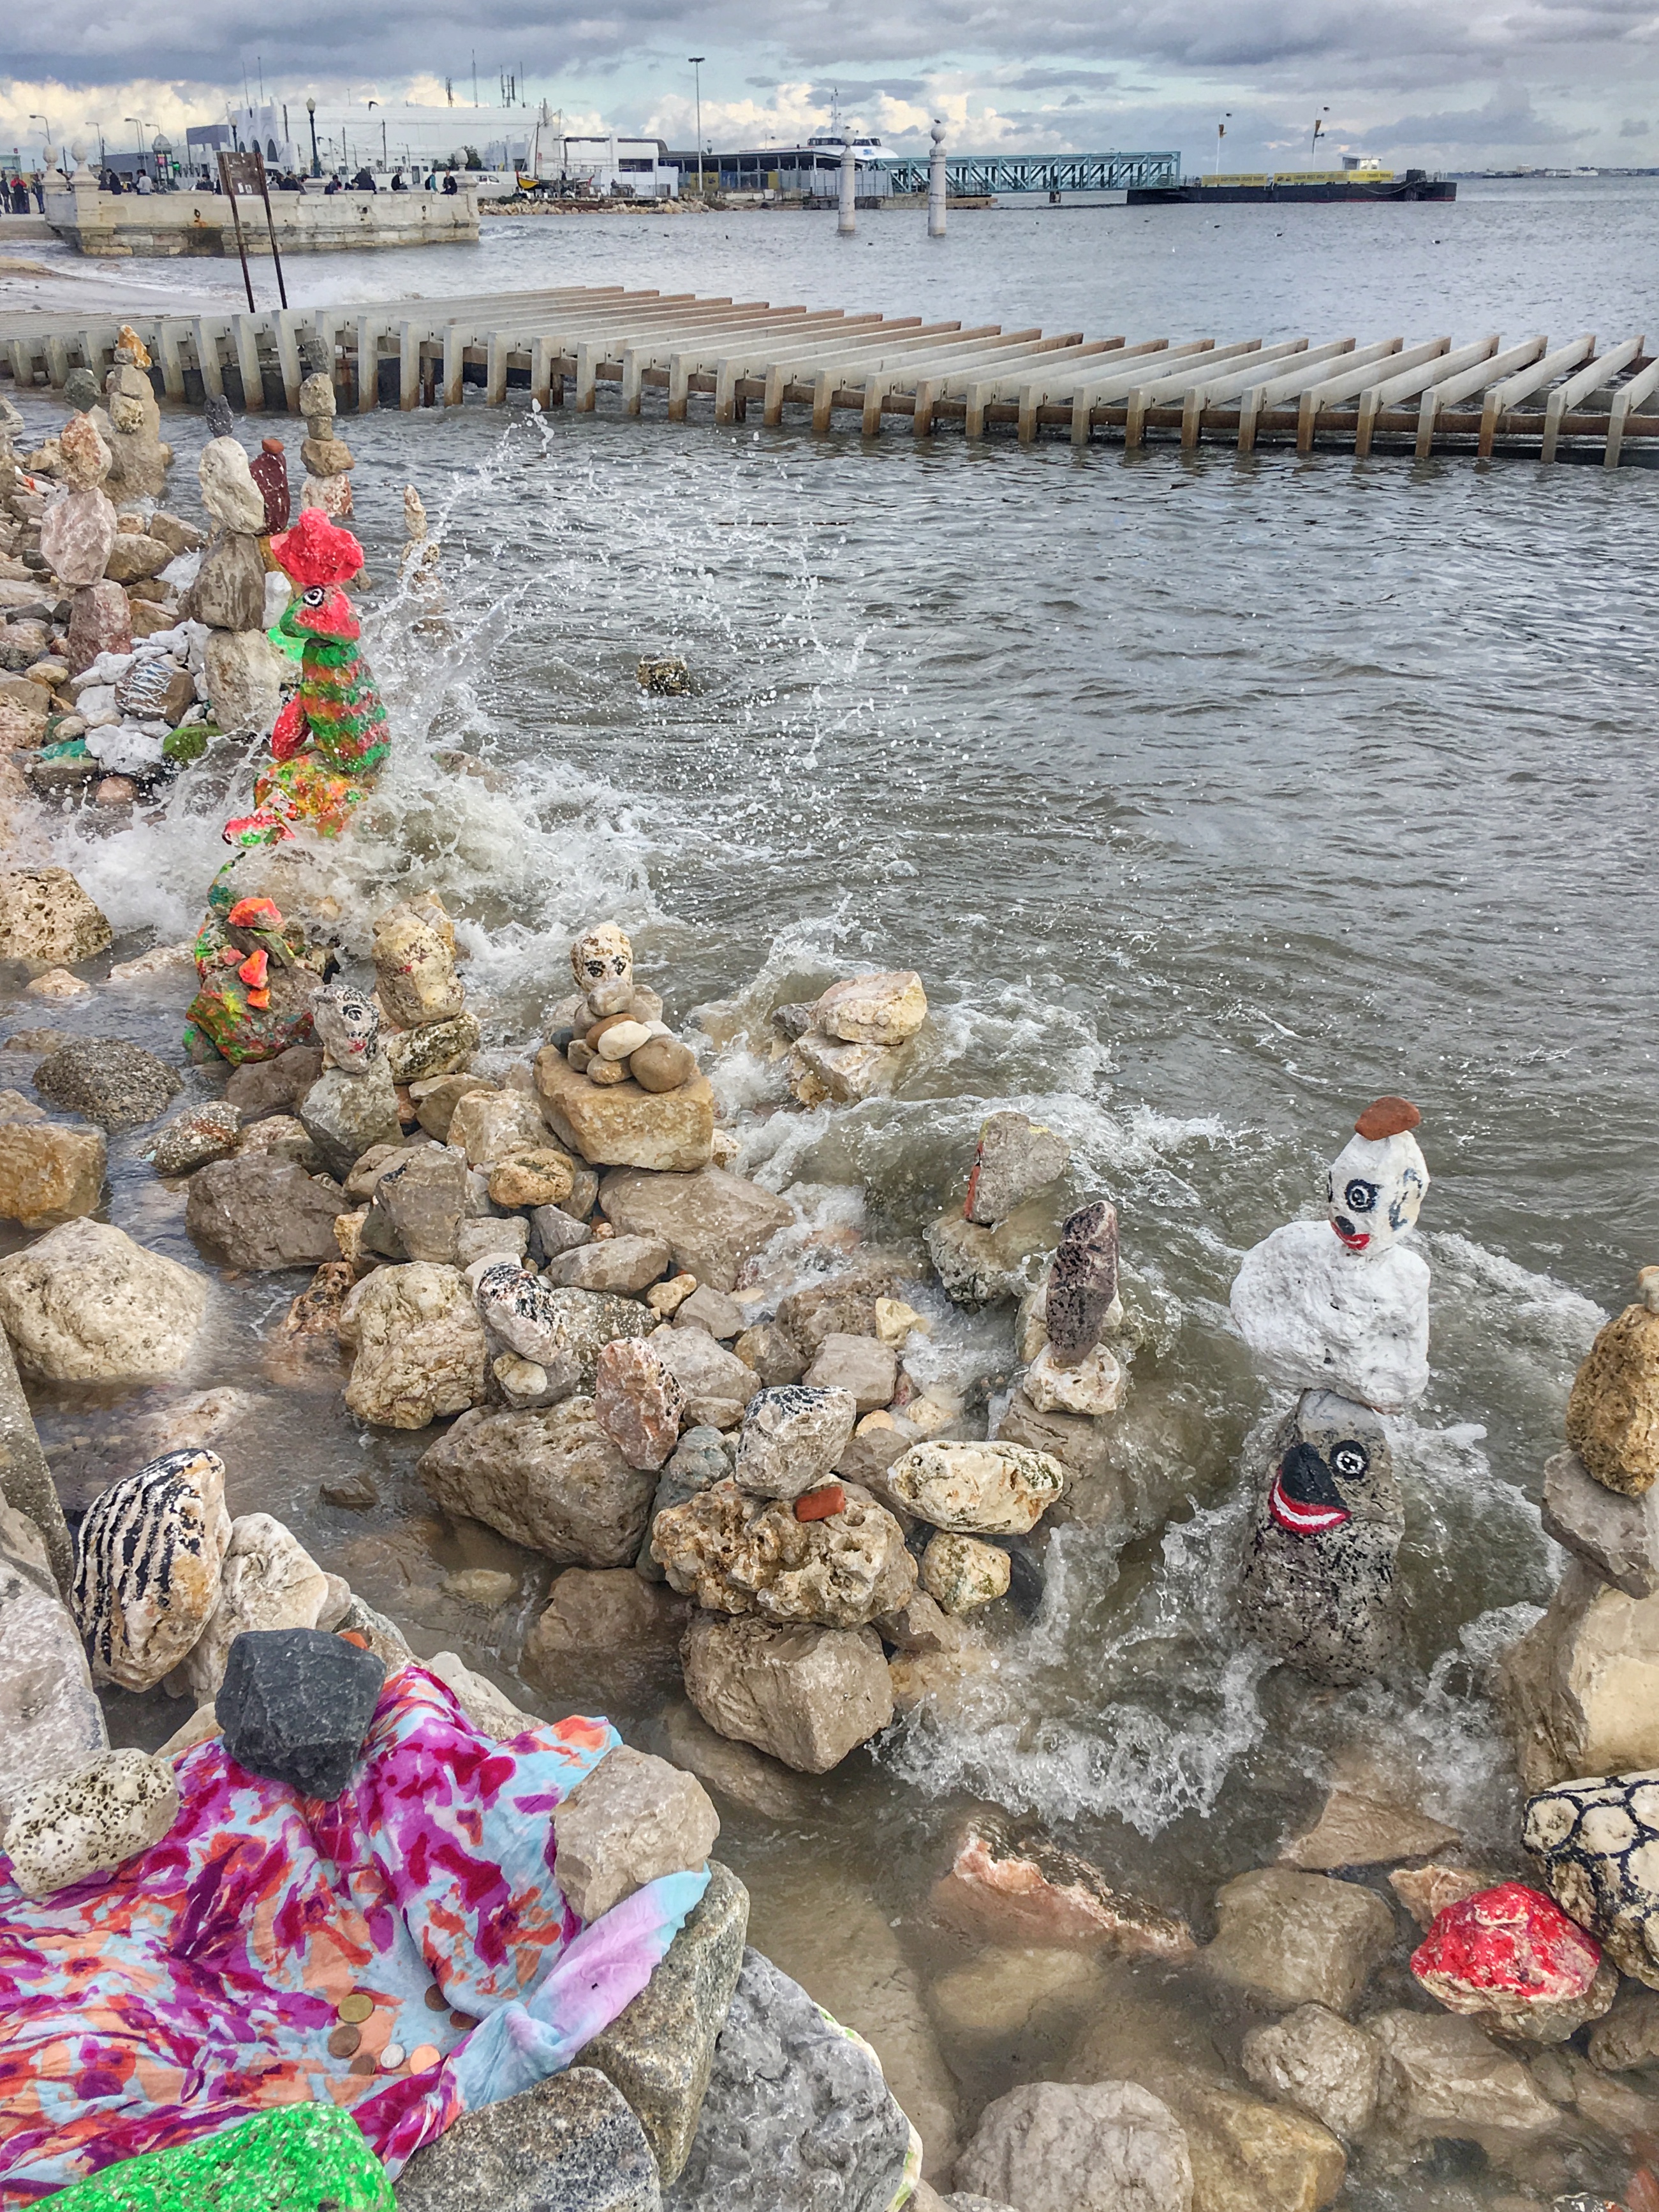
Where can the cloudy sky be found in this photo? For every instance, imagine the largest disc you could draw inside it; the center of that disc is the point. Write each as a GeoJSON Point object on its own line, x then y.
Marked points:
{"type": "Point", "coordinates": [1483, 83]}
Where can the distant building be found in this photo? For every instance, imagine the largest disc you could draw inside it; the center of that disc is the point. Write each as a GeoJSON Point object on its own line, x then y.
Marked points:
{"type": "Point", "coordinates": [813, 168]}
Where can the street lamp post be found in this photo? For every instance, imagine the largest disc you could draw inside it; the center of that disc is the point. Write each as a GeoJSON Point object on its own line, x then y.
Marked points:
{"type": "Point", "coordinates": [1220, 133]}
{"type": "Point", "coordinates": [162, 147]}
{"type": "Point", "coordinates": [139, 128]}
{"type": "Point", "coordinates": [316, 164]}
{"type": "Point", "coordinates": [1318, 133]}
{"type": "Point", "coordinates": [697, 62]}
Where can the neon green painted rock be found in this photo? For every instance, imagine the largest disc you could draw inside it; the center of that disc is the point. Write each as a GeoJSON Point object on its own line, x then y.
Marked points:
{"type": "Point", "coordinates": [299, 2158]}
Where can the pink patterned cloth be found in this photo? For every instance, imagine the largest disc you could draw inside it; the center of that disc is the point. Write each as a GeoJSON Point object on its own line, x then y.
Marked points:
{"type": "Point", "coordinates": [201, 1982]}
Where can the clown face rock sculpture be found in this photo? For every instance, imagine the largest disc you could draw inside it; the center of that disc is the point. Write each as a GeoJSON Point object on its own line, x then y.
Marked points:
{"type": "Point", "coordinates": [601, 962]}
{"type": "Point", "coordinates": [1343, 1304]}
{"type": "Point", "coordinates": [348, 1028]}
{"type": "Point", "coordinates": [1318, 1581]}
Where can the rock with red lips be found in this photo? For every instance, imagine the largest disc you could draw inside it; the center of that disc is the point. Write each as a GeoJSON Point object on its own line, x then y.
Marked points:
{"type": "Point", "coordinates": [1318, 1583]}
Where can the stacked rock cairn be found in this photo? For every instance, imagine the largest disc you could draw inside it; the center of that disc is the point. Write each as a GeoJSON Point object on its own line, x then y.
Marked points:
{"type": "Point", "coordinates": [849, 1043]}
{"type": "Point", "coordinates": [612, 1030]}
{"type": "Point", "coordinates": [244, 673]}
{"type": "Point", "coordinates": [326, 459]}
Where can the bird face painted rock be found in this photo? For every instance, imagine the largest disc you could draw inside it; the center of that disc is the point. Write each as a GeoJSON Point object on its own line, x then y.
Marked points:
{"type": "Point", "coordinates": [1377, 1180]}
{"type": "Point", "coordinates": [1318, 1582]}
{"type": "Point", "coordinates": [348, 1028]}
{"type": "Point", "coordinates": [602, 962]}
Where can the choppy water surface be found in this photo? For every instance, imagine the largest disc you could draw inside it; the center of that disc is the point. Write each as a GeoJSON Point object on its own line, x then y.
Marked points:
{"type": "Point", "coordinates": [1211, 799]}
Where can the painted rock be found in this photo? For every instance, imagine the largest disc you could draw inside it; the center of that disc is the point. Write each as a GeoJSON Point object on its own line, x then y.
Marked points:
{"type": "Point", "coordinates": [637, 1402]}
{"type": "Point", "coordinates": [295, 1705]}
{"type": "Point", "coordinates": [1318, 1579]}
{"type": "Point", "coordinates": [147, 1566]}
{"type": "Point", "coordinates": [348, 1027]}
{"type": "Point", "coordinates": [792, 1438]}
{"type": "Point", "coordinates": [298, 2158]}
{"type": "Point", "coordinates": [1612, 1414]}
{"type": "Point", "coordinates": [1017, 1158]}
{"type": "Point", "coordinates": [602, 962]}
{"type": "Point", "coordinates": [1596, 1845]}
{"type": "Point", "coordinates": [738, 1554]}
{"type": "Point", "coordinates": [1375, 1185]}
{"type": "Point", "coordinates": [91, 1822]}
{"type": "Point", "coordinates": [1511, 1957]}
{"type": "Point", "coordinates": [991, 1489]}
{"type": "Point", "coordinates": [1316, 1317]}
{"type": "Point", "coordinates": [560, 1330]}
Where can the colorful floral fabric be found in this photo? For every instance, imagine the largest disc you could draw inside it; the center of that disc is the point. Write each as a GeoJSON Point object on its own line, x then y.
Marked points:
{"type": "Point", "coordinates": [202, 1981]}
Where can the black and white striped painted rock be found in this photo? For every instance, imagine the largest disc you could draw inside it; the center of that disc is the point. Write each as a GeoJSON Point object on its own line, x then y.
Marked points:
{"type": "Point", "coordinates": [147, 1566]}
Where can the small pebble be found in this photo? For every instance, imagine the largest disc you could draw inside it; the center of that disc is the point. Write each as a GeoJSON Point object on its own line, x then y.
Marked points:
{"type": "Point", "coordinates": [821, 1504]}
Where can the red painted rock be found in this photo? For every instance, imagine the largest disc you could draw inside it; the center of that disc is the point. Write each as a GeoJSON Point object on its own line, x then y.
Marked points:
{"type": "Point", "coordinates": [637, 1402]}
{"type": "Point", "coordinates": [1510, 1956]}
{"type": "Point", "coordinates": [100, 621]}
{"type": "Point", "coordinates": [821, 1505]}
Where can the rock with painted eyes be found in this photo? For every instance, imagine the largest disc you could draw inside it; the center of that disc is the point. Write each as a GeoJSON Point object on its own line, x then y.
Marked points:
{"type": "Point", "coordinates": [602, 962]}
{"type": "Point", "coordinates": [1318, 1581]}
{"type": "Point", "coordinates": [1343, 1304]}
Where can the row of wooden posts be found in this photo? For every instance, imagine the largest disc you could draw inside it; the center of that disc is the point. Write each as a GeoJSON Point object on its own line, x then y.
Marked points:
{"type": "Point", "coordinates": [566, 344]}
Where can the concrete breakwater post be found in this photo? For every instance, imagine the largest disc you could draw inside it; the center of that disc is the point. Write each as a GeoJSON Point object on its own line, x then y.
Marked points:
{"type": "Point", "coordinates": [847, 220]}
{"type": "Point", "coordinates": [936, 182]}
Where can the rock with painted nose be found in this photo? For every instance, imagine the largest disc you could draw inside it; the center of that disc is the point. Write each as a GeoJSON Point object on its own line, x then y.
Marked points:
{"type": "Point", "coordinates": [1318, 1582]}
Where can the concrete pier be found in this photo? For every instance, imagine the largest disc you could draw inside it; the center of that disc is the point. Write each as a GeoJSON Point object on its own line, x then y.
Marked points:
{"type": "Point", "coordinates": [650, 350]}
{"type": "Point", "coordinates": [165, 225]}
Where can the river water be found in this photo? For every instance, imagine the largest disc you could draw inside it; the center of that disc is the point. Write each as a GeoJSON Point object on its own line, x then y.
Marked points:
{"type": "Point", "coordinates": [1211, 797]}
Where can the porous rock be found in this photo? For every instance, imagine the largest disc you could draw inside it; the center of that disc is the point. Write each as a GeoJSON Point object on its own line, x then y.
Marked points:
{"type": "Point", "coordinates": [807, 1695]}
{"type": "Point", "coordinates": [1081, 1292]}
{"type": "Point", "coordinates": [622, 1125]}
{"type": "Point", "coordinates": [147, 1566]}
{"type": "Point", "coordinates": [570, 2144]}
{"type": "Point", "coordinates": [631, 1818]}
{"type": "Point", "coordinates": [1298, 1938]}
{"type": "Point", "coordinates": [540, 1175]}
{"type": "Point", "coordinates": [267, 1580]}
{"type": "Point", "coordinates": [84, 1304]}
{"type": "Point", "coordinates": [739, 1554]}
{"type": "Point", "coordinates": [89, 1822]}
{"type": "Point", "coordinates": [1092, 2147]}
{"type": "Point", "coordinates": [435, 1049]}
{"type": "Point", "coordinates": [489, 1126]}
{"type": "Point", "coordinates": [552, 1480]}
{"type": "Point", "coordinates": [792, 1438]}
{"type": "Point", "coordinates": [295, 1705]}
{"type": "Point", "coordinates": [563, 1331]}
{"type": "Point", "coordinates": [51, 1721]}
{"type": "Point", "coordinates": [637, 1402]}
{"type": "Point", "coordinates": [717, 1385]}
{"type": "Point", "coordinates": [625, 1265]}
{"type": "Point", "coordinates": [49, 1172]}
{"type": "Point", "coordinates": [1313, 2059]}
{"type": "Point", "coordinates": [961, 1573]}
{"type": "Point", "coordinates": [262, 1211]}
{"type": "Point", "coordinates": [976, 1266]}
{"type": "Point", "coordinates": [993, 1489]}
{"type": "Point", "coordinates": [109, 1079]}
{"type": "Point", "coordinates": [796, 2114]}
{"type": "Point", "coordinates": [844, 1306]}
{"type": "Point", "coordinates": [1612, 1413]}
{"type": "Point", "coordinates": [1093, 1387]}
{"type": "Point", "coordinates": [711, 1222]}
{"type": "Point", "coordinates": [1316, 1317]}
{"type": "Point", "coordinates": [419, 1346]}
{"type": "Point", "coordinates": [414, 969]}
{"type": "Point", "coordinates": [199, 1134]}
{"type": "Point", "coordinates": [887, 1009]}
{"type": "Point", "coordinates": [424, 1194]}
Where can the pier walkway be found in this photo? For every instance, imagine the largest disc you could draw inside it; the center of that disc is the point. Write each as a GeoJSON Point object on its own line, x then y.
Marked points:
{"type": "Point", "coordinates": [645, 349]}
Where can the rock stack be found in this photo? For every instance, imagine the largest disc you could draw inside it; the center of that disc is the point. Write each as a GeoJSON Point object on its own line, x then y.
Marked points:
{"type": "Point", "coordinates": [847, 1043]}
{"type": "Point", "coordinates": [430, 1034]}
{"type": "Point", "coordinates": [243, 673]}
{"type": "Point", "coordinates": [986, 1248]}
{"type": "Point", "coordinates": [257, 972]}
{"type": "Point", "coordinates": [1339, 1310]}
{"type": "Point", "coordinates": [140, 459]}
{"type": "Point", "coordinates": [616, 1085]}
{"type": "Point", "coordinates": [1580, 1689]}
{"type": "Point", "coordinates": [326, 458]}
{"type": "Point", "coordinates": [353, 1104]}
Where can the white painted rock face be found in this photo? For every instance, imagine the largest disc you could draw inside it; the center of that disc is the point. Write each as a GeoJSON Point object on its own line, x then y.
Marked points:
{"type": "Point", "coordinates": [90, 1822]}
{"type": "Point", "coordinates": [1376, 1189]}
{"type": "Point", "coordinates": [1317, 1317]}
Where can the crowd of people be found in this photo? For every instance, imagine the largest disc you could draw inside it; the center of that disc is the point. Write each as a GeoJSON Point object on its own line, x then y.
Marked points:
{"type": "Point", "coordinates": [21, 194]}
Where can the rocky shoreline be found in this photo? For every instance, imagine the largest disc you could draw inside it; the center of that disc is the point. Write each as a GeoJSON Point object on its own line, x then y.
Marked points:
{"type": "Point", "coordinates": [545, 1257]}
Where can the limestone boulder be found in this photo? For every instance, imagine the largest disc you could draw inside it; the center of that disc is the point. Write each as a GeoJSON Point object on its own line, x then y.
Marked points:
{"type": "Point", "coordinates": [1442, 2078]}
{"type": "Point", "coordinates": [50, 1172]}
{"type": "Point", "coordinates": [424, 1194]}
{"type": "Point", "coordinates": [605, 1614]}
{"type": "Point", "coordinates": [489, 1126]}
{"type": "Point", "coordinates": [539, 1174]}
{"type": "Point", "coordinates": [961, 1573]}
{"type": "Point", "coordinates": [739, 1554]}
{"type": "Point", "coordinates": [1092, 2147]}
{"type": "Point", "coordinates": [711, 1310]}
{"type": "Point", "coordinates": [626, 1265]}
{"type": "Point", "coordinates": [977, 1266]}
{"type": "Point", "coordinates": [419, 1346]}
{"type": "Point", "coordinates": [435, 1049]}
{"type": "Point", "coordinates": [109, 1079]}
{"type": "Point", "coordinates": [415, 967]}
{"type": "Point", "coordinates": [637, 1402]}
{"type": "Point", "coordinates": [436, 1096]}
{"type": "Point", "coordinates": [822, 1068]}
{"type": "Point", "coordinates": [200, 1134]}
{"type": "Point", "coordinates": [1017, 1158]}
{"type": "Point", "coordinates": [259, 1087]}
{"type": "Point", "coordinates": [229, 591]}
{"type": "Point", "coordinates": [1294, 1939]}
{"type": "Point", "coordinates": [1596, 1843]}
{"type": "Point", "coordinates": [1579, 1692]}
{"type": "Point", "coordinates": [1614, 1534]}
{"type": "Point", "coordinates": [136, 557]}
{"type": "Point", "coordinates": [807, 1695]}
{"type": "Point", "coordinates": [620, 1125]}
{"type": "Point", "coordinates": [90, 1822]}
{"type": "Point", "coordinates": [1009, 1886]}
{"type": "Point", "coordinates": [243, 675]}
{"type": "Point", "coordinates": [844, 1306]}
{"type": "Point", "coordinates": [1313, 2059]}
{"type": "Point", "coordinates": [711, 1221]}
{"type": "Point", "coordinates": [1612, 1414]}
{"type": "Point", "coordinates": [78, 536]}
{"type": "Point", "coordinates": [570, 2143]}
{"type": "Point", "coordinates": [344, 1115]}
{"type": "Point", "coordinates": [990, 1489]}
{"type": "Point", "coordinates": [47, 920]}
{"type": "Point", "coordinates": [228, 491]}
{"type": "Point", "coordinates": [561, 1331]}
{"type": "Point", "coordinates": [84, 1304]}
{"type": "Point", "coordinates": [632, 1818]}
{"type": "Point", "coordinates": [552, 1480]}
{"type": "Point", "coordinates": [100, 621]}
{"type": "Point", "coordinates": [267, 1579]}
{"type": "Point", "coordinates": [51, 1721]}
{"type": "Point", "coordinates": [262, 1211]}
{"type": "Point", "coordinates": [716, 1383]}
{"type": "Point", "coordinates": [792, 1438]}
{"type": "Point", "coordinates": [862, 1365]}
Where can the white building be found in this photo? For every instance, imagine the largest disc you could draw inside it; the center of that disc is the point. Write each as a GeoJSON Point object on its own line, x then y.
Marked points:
{"type": "Point", "coordinates": [385, 137]}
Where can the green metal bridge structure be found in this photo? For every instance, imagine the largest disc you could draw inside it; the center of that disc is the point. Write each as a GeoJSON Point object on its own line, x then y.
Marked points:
{"type": "Point", "coordinates": [984, 176]}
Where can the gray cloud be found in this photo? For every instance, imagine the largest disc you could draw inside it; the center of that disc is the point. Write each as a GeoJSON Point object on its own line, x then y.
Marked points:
{"type": "Point", "coordinates": [1507, 120]}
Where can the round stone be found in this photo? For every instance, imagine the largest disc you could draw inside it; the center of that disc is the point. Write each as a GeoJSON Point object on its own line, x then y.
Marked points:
{"type": "Point", "coordinates": [392, 2057]}
{"type": "Point", "coordinates": [423, 2057]}
{"type": "Point", "coordinates": [356, 2007]}
{"type": "Point", "coordinates": [342, 2044]}
{"type": "Point", "coordinates": [1607, 1828]}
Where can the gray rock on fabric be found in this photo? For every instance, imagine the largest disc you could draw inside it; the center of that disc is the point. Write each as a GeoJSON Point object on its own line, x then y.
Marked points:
{"type": "Point", "coordinates": [797, 2117]}
{"type": "Point", "coordinates": [568, 2145]}
{"type": "Point", "coordinates": [295, 1705]}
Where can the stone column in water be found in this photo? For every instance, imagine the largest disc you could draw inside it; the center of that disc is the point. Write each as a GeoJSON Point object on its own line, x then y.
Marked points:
{"type": "Point", "coordinates": [936, 182]}
{"type": "Point", "coordinates": [849, 220]}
